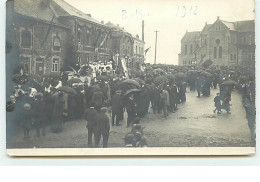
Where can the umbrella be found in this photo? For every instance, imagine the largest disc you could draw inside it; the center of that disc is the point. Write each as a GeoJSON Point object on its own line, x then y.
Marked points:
{"type": "Point", "coordinates": [131, 91]}
{"type": "Point", "coordinates": [180, 75]}
{"type": "Point", "coordinates": [131, 81]}
{"type": "Point", "coordinates": [160, 79]}
{"type": "Point", "coordinates": [229, 82]}
{"type": "Point", "coordinates": [170, 77]}
{"type": "Point", "coordinates": [74, 80]}
{"type": "Point", "coordinates": [67, 89]}
{"type": "Point", "coordinates": [140, 81]}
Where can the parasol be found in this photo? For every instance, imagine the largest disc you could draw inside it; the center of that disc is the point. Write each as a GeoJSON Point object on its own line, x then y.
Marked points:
{"type": "Point", "coordinates": [229, 82]}
{"type": "Point", "coordinates": [131, 81]}
{"type": "Point", "coordinates": [74, 80]}
{"type": "Point", "coordinates": [67, 89]}
{"type": "Point", "coordinates": [131, 91]}
{"type": "Point", "coordinates": [139, 80]}
{"type": "Point", "coordinates": [180, 75]}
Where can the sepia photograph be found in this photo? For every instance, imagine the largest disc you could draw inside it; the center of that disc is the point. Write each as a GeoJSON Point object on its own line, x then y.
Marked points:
{"type": "Point", "coordinates": [168, 77]}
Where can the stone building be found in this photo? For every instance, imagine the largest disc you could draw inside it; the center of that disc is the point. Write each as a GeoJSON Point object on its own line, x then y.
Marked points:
{"type": "Point", "coordinates": [225, 43]}
{"type": "Point", "coordinates": [89, 38]}
{"type": "Point", "coordinates": [121, 44]}
{"type": "Point", "coordinates": [138, 52]}
{"type": "Point", "coordinates": [38, 39]}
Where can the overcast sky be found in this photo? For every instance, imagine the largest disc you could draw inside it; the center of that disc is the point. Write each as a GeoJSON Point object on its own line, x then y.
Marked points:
{"type": "Point", "coordinates": [167, 16]}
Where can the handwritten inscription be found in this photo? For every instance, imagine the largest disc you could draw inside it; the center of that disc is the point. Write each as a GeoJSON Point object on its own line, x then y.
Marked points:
{"type": "Point", "coordinates": [137, 13]}
{"type": "Point", "coordinates": [184, 11]}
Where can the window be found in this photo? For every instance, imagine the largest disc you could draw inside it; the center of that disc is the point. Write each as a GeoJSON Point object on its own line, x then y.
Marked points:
{"type": "Point", "coordinates": [56, 43]}
{"type": "Point", "coordinates": [136, 50]}
{"type": "Point", "coordinates": [235, 57]}
{"type": "Point", "coordinates": [55, 65]}
{"type": "Point", "coordinates": [87, 38]}
{"type": "Point", "coordinates": [79, 37]}
{"type": "Point", "coordinates": [191, 49]}
{"type": "Point", "coordinates": [139, 50]}
{"type": "Point", "coordinates": [244, 40]}
{"type": "Point", "coordinates": [186, 49]}
{"type": "Point", "coordinates": [215, 52]}
{"type": "Point", "coordinates": [220, 52]}
{"type": "Point", "coordinates": [217, 41]}
{"type": "Point", "coordinates": [231, 56]}
{"type": "Point", "coordinates": [26, 39]}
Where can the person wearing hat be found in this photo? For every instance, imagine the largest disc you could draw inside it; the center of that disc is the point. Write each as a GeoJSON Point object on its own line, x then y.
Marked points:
{"type": "Point", "coordinates": [26, 120]}
{"type": "Point", "coordinates": [102, 128]}
{"type": "Point", "coordinates": [90, 115]}
{"type": "Point", "coordinates": [10, 105]}
{"type": "Point", "coordinates": [130, 109]}
{"type": "Point", "coordinates": [117, 108]}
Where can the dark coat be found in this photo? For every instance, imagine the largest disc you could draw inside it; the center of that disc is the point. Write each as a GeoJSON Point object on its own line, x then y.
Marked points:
{"type": "Point", "coordinates": [90, 116]}
{"type": "Point", "coordinates": [103, 125]}
{"type": "Point", "coordinates": [117, 103]}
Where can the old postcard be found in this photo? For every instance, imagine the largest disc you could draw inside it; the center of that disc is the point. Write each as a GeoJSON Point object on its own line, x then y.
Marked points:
{"type": "Point", "coordinates": [168, 77]}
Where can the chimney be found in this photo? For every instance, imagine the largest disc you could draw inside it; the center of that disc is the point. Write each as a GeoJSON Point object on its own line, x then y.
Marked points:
{"type": "Point", "coordinates": [142, 30]}
{"type": "Point", "coordinates": [206, 23]}
{"type": "Point", "coordinates": [218, 17]}
{"type": "Point", "coordinates": [102, 21]}
{"type": "Point", "coordinates": [186, 31]}
{"type": "Point", "coordinates": [117, 25]}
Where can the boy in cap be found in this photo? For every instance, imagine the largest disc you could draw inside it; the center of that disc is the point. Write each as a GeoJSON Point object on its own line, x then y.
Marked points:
{"type": "Point", "coordinates": [217, 104]}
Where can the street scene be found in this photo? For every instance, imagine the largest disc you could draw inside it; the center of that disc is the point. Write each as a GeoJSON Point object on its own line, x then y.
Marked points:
{"type": "Point", "coordinates": [76, 82]}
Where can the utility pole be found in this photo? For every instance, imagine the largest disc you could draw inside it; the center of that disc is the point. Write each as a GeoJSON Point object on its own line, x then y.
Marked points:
{"type": "Point", "coordinates": [155, 46]}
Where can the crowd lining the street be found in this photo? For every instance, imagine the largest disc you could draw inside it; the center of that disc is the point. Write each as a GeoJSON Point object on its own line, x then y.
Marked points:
{"type": "Point", "coordinates": [90, 91]}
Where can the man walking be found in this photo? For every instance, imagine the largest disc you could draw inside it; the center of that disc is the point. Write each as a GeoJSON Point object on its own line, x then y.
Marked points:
{"type": "Point", "coordinates": [102, 128]}
{"type": "Point", "coordinates": [117, 108]}
{"type": "Point", "coordinates": [90, 116]}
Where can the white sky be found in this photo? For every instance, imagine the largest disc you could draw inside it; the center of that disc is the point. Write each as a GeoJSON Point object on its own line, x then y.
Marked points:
{"type": "Point", "coordinates": [163, 15]}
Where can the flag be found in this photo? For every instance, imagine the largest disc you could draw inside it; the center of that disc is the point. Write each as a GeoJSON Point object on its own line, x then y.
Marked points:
{"type": "Point", "coordinates": [146, 50]}
{"type": "Point", "coordinates": [48, 31]}
{"type": "Point", "coordinates": [96, 41]}
{"type": "Point", "coordinates": [101, 44]}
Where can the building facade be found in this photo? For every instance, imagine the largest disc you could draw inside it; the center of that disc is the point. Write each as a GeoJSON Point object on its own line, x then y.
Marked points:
{"type": "Point", "coordinates": [38, 39]}
{"type": "Point", "coordinates": [51, 36]}
{"type": "Point", "coordinates": [121, 44]}
{"type": "Point", "coordinates": [138, 52]}
{"type": "Point", "coordinates": [225, 43]}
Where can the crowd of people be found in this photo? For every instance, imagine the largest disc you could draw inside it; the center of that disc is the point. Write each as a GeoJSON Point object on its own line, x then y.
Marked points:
{"type": "Point", "coordinates": [90, 91]}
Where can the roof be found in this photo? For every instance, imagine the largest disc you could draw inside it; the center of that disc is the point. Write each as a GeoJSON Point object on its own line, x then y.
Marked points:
{"type": "Point", "coordinates": [191, 36]}
{"type": "Point", "coordinates": [65, 9]}
{"type": "Point", "coordinates": [113, 26]}
{"type": "Point", "coordinates": [241, 26]}
{"type": "Point", "coordinates": [205, 29]}
{"type": "Point", "coordinates": [37, 9]}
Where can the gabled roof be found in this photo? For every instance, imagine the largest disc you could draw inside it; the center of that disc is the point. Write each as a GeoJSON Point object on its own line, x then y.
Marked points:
{"type": "Point", "coordinates": [229, 25]}
{"type": "Point", "coordinates": [191, 36]}
{"type": "Point", "coordinates": [37, 9]}
{"type": "Point", "coordinates": [64, 9]}
{"type": "Point", "coordinates": [205, 29]}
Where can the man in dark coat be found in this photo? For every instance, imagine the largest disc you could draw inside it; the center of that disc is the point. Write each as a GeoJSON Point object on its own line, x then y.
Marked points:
{"type": "Point", "coordinates": [90, 116]}
{"type": "Point", "coordinates": [131, 110]}
{"type": "Point", "coordinates": [98, 99]}
{"type": "Point", "coordinates": [102, 128]}
{"type": "Point", "coordinates": [117, 108]}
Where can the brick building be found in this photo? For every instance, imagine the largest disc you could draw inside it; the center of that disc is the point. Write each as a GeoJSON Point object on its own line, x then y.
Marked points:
{"type": "Point", "coordinates": [37, 37]}
{"type": "Point", "coordinates": [225, 43]}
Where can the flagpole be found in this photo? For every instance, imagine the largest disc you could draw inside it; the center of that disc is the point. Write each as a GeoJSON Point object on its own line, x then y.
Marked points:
{"type": "Point", "coordinates": [155, 46]}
